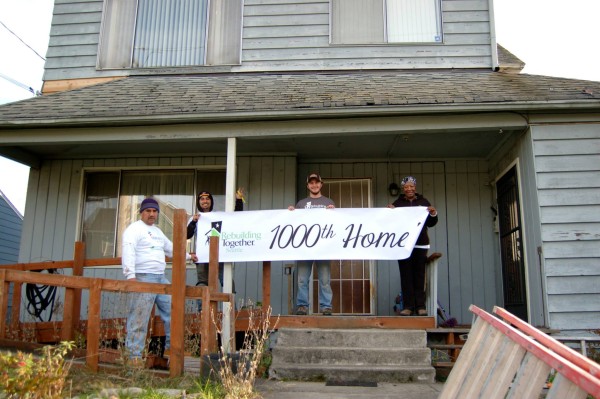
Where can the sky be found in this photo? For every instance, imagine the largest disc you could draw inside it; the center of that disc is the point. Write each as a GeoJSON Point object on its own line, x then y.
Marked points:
{"type": "Point", "coordinates": [553, 38]}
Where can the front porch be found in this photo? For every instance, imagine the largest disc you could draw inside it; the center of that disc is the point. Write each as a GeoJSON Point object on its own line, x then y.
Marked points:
{"type": "Point", "coordinates": [15, 333]}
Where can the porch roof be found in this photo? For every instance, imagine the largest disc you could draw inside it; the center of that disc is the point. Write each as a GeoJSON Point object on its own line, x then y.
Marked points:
{"type": "Point", "coordinates": [259, 96]}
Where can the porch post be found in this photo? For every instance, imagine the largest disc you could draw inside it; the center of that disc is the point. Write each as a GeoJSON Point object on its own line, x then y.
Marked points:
{"type": "Point", "coordinates": [228, 270]}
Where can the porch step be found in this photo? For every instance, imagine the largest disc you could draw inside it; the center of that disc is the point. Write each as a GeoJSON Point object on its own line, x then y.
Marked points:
{"type": "Point", "coordinates": [352, 355]}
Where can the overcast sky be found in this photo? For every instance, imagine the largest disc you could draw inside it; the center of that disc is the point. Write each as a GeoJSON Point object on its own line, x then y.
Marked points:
{"type": "Point", "coordinates": [553, 38]}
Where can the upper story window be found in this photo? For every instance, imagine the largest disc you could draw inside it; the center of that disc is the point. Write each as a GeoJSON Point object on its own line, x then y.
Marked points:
{"type": "Point", "coordinates": [386, 21]}
{"type": "Point", "coordinates": [170, 33]}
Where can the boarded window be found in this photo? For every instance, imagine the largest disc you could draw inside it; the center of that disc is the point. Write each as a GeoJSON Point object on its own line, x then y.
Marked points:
{"type": "Point", "coordinates": [170, 33]}
{"type": "Point", "coordinates": [386, 21]}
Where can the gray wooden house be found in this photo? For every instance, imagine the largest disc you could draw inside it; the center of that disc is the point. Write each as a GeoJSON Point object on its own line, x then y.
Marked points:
{"type": "Point", "coordinates": [11, 222]}
{"type": "Point", "coordinates": [257, 93]}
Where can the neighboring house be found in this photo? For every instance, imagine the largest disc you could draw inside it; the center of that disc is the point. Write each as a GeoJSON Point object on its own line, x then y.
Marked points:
{"type": "Point", "coordinates": [260, 92]}
{"type": "Point", "coordinates": [11, 222]}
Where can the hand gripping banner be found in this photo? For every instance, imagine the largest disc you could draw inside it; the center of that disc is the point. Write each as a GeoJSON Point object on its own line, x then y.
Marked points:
{"type": "Point", "coordinates": [311, 234]}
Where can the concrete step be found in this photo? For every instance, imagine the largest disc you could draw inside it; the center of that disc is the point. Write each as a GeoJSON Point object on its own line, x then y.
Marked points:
{"type": "Point", "coordinates": [345, 338]}
{"type": "Point", "coordinates": [355, 356]}
{"type": "Point", "coordinates": [312, 372]}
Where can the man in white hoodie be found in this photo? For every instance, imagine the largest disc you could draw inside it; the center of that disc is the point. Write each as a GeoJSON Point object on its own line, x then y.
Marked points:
{"type": "Point", "coordinates": [143, 259]}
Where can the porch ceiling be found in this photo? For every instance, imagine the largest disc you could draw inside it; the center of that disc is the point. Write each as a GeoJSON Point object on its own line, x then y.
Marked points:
{"type": "Point", "coordinates": [456, 144]}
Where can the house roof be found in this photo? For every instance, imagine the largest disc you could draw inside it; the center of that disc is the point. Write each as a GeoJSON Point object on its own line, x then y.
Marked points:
{"type": "Point", "coordinates": [187, 98]}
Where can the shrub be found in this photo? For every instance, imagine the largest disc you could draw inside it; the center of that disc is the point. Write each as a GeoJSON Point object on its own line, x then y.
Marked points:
{"type": "Point", "coordinates": [31, 377]}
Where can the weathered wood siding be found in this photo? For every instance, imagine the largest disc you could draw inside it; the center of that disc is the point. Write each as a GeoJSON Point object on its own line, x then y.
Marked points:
{"type": "Point", "coordinates": [10, 231]}
{"type": "Point", "coordinates": [281, 35]}
{"type": "Point", "coordinates": [568, 184]}
{"type": "Point", "coordinates": [54, 202]}
{"type": "Point", "coordinates": [460, 190]}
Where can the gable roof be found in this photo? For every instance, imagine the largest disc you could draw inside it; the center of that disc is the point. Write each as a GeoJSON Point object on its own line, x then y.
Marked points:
{"type": "Point", "coordinates": [188, 98]}
{"type": "Point", "coordinates": [5, 202]}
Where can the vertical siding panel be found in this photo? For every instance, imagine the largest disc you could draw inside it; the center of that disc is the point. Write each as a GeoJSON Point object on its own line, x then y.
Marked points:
{"type": "Point", "coordinates": [74, 206]}
{"type": "Point", "coordinates": [477, 265]}
{"type": "Point", "coordinates": [30, 222]}
{"type": "Point", "coordinates": [266, 183]}
{"type": "Point", "coordinates": [52, 211]}
{"type": "Point", "coordinates": [439, 234]}
{"type": "Point", "coordinates": [243, 180]}
{"type": "Point", "coordinates": [60, 249]}
{"type": "Point", "coordinates": [487, 236]}
{"type": "Point", "coordinates": [454, 270]}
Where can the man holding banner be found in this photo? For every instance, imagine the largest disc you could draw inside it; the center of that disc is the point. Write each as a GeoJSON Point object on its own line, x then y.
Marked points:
{"type": "Point", "coordinates": [315, 200]}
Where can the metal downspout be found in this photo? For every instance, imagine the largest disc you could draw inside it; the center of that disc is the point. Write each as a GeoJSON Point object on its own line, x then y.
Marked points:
{"type": "Point", "coordinates": [493, 43]}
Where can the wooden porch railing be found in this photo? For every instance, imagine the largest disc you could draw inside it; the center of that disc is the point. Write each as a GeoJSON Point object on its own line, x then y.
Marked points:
{"type": "Point", "coordinates": [20, 274]}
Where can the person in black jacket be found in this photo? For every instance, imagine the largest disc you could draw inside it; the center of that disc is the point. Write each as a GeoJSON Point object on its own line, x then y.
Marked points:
{"type": "Point", "coordinates": [412, 269]}
{"type": "Point", "coordinates": [205, 203]}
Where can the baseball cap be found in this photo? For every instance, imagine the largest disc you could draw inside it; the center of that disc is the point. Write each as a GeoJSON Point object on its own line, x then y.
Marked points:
{"type": "Point", "coordinates": [315, 176]}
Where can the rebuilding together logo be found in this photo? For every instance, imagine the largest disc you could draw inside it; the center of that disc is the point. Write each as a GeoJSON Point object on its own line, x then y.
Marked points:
{"type": "Point", "coordinates": [232, 242]}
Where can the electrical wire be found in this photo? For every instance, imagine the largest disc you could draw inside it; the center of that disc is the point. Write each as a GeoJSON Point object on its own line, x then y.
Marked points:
{"type": "Point", "coordinates": [40, 298]}
{"type": "Point", "coordinates": [21, 40]}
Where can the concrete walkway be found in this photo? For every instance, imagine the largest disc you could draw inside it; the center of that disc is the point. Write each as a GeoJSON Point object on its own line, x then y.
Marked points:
{"type": "Point", "coordinates": [272, 389]}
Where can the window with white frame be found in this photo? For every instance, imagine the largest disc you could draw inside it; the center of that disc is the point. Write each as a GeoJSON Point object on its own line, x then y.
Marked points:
{"type": "Point", "coordinates": [386, 21]}
{"type": "Point", "coordinates": [170, 33]}
{"type": "Point", "coordinates": [112, 200]}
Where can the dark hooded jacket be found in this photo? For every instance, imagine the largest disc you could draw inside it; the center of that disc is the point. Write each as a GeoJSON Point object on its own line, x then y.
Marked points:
{"type": "Point", "coordinates": [429, 222]}
{"type": "Point", "coordinates": [191, 227]}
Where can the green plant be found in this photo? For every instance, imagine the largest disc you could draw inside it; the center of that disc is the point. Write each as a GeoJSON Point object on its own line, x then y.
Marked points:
{"type": "Point", "coordinates": [25, 376]}
{"type": "Point", "coordinates": [210, 389]}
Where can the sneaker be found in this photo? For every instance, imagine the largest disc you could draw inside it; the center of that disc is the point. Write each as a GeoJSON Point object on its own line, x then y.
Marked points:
{"type": "Point", "coordinates": [422, 312]}
{"type": "Point", "coordinates": [405, 312]}
{"type": "Point", "coordinates": [326, 311]}
{"type": "Point", "coordinates": [302, 310]}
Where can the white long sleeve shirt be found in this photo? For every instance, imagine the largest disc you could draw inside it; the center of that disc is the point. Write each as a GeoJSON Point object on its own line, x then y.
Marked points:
{"type": "Point", "coordinates": [144, 250]}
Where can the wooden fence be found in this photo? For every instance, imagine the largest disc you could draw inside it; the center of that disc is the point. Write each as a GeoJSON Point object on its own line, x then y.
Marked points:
{"type": "Point", "coordinates": [505, 357]}
{"type": "Point", "coordinates": [20, 274]}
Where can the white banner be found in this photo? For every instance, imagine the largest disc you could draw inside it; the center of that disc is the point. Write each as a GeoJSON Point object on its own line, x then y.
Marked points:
{"type": "Point", "coordinates": [311, 234]}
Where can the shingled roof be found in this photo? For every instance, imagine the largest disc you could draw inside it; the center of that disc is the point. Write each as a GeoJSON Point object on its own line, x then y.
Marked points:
{"type": "Point", "coordinates": [243, 95]}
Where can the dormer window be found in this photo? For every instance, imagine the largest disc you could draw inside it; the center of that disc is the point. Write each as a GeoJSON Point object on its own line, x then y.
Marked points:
{"type": "Point", "coordinates": [386, 21]}
{"type": "Point", "coordinates": [170, 33]}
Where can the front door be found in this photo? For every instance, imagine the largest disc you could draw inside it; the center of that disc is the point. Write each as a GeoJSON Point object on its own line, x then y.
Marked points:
{"type": "Point", "coordinates": [511, 245]}
{"type": "Point", "coordinates": [351, 280]}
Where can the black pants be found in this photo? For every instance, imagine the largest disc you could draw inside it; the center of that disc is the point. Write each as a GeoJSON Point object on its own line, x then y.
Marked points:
{"type": "Point", "coordinates": [412, 279]}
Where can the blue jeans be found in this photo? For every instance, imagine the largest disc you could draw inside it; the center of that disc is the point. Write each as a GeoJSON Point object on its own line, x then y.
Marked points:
{"type": "Point", "coordinates": [140, 309]}
{"type": "Point", "coordinates": [304, 269]}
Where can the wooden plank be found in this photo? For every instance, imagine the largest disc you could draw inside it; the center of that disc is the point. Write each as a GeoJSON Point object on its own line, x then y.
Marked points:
{"type": "Point", "coordinates": [16, 310]}
{"type": "Point", "coordinates": [178, 295]}
{"type": "Point", "coordinates": [503, 372]}
{"type": "Point", "coordinates": [93, 328]}
{"type": "Point", "coordinates": [556, 346]}
{"type": "Point", "coordinates": [563, 388]}
{"type": "Point", "coordinates": [582, 378]}
{"type": "Point", "coordinates": [571, 231]}
{"type": "Point", "coordinates": [567, 147]}
{"type": "Point", "coordinates": [483, 365]}
{"type": "Point", "coordinates": [566, 163]}
{"type": "Point", "coordinates": [205, 321]}
{"type": "Point", "coordinates": [529, 379]}
{"type": "Point", "coordinates": [4, 289]}
{"type": "Point", "coordinates": [266, 285]}
{"type": "Point", "coordinates": [469, 354]}
{"type": "Point", "coordinates": [78, 259]}
{"type": "Point", "coordinates": [54, 86]}
{"type": "Point", "coordinates": [66, 332]}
